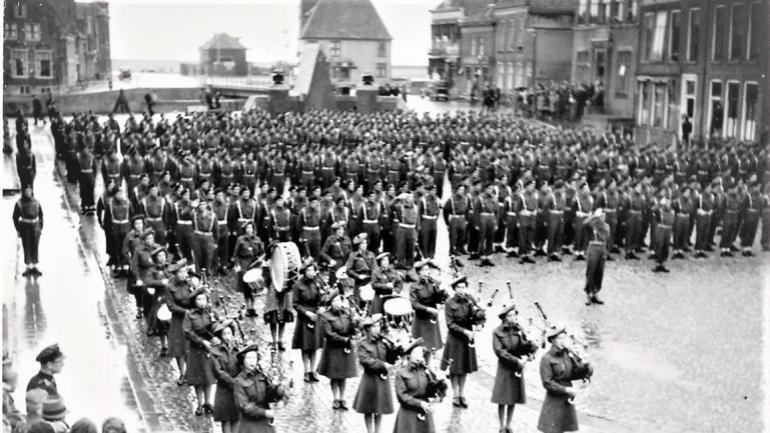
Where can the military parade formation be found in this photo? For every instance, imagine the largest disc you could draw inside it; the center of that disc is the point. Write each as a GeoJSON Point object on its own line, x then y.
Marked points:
{"type": "Point", "coordinates": [331, 218]}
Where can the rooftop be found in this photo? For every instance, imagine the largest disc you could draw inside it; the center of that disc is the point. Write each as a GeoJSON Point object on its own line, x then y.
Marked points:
{"type": "Point", "coordinates": [344, 19]}
{"type": "Point", "coordinates": [222, 41]}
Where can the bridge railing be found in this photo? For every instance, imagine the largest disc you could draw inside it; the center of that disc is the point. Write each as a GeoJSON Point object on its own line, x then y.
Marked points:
{"type": "Point", "coordinates": [245, 82]}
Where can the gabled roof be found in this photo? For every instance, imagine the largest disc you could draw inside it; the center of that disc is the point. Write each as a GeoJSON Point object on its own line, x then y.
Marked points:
{"type": "Point", "coordinates": [222, 41]}
{"type": "Point", "coordinates": [344, 19]}
{"type": "Point", "coordinates": [470, 7]}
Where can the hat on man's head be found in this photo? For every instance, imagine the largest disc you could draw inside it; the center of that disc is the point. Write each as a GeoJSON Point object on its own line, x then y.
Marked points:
{"type": "Point", "coordinates": [338, 224]}
{"type": "Point", "coordinates": [359, 238]}
{"type": "Point", "coordinates": [504, 312]}
{"type": "Point", "coordinates": [49, 354]}
{"type": "Point", "coordinates": [139, 216]}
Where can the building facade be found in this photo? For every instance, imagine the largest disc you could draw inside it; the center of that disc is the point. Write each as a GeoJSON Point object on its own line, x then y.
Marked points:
{"type": "Point", "coordinates": [605, 54]}
{"type": "Point", "coordinates": [352, 37]}
{"type": "Point", "coordinates": [704, 59]}
{"type": "Point", "coordinates": [49, 45]}
{"type": "Point", "coordinates": [223, 55]}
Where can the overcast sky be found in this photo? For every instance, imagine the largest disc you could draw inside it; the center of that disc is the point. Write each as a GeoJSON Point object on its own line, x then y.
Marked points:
{"type": "Point", "coordinates": [174, 29]}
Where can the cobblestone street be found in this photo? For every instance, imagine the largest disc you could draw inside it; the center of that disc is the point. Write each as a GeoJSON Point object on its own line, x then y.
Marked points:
{"type": "Point", "coordinates": [664, 348]}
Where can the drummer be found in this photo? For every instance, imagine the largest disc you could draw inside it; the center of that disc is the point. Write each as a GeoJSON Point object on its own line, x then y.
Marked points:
{"type": "Point", "coordinates": [426, 295]}
{"type": "Point", "coordinates": [177, 300]}
{"type": "Point", "coordinates": [336, 250]}
{"type": "Point", "coordinates": [360, 265]}
{"type": "Point", "coordinates": [278, 312]}
{"type": "Point", "coordinates": [386, 281]}
{"type": "Point", "coordinates": [248, 251]}
{"type": "Point", "coordinates": [307, 296]}
{"type": "Point", "coordinates": [156, 280]}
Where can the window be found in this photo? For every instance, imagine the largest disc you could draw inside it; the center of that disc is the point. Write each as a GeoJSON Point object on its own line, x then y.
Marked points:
{"type": "Point", "coordinates": [482, 44]}
{"type": "Point", "coordinates": [648, 32]}
{"type": "Point", "coordinates": [528, 70]}
{"type": "Point", "coordinates": [19, 62]}
{"type": "Point", "coordinates": [583, 67]}
{"type": "Point", "coordinates": [633, 11]}
{"type": "Point", "coordinates": [89, 24]}
{"type": "Point", "coordinates": [43, 61]}
{"type": "Point", "coordinates": [716, 111]}
{"type": "Point", "coordinates": [335, 48]}
{"type": "Point", "coordinates": [582, 11]}
{"type": "Point", "coordinates": [755, 24]}
{"type": "Point", "coordinates": [594, 10]}
{"type": "Point", "coordinates": [644, 102]}
{"type": "Point", "coordinates": [689, 97]}
{"type": "Point", "coordinates": [674, 35]}
{"type": "Point", "coordinates": [623, 79]}
{"type": "Point", "coordinates": [32, 31]}
{"type": "Point", "coordinates": [750, 98]}
{"type": "Point", "coordinates": [693, 35]}
{"type": "Point", "coordinates": [382, 70]}
{"type": "Point", "coordinates": [520, 33]}
{"type": "Point", "coordinates": [720, 33]}
{"type": "Point", "coordinates": [509, 73]}
{"type": "Point", "coordinates": [737, 31]}
{"type": "Point", "coordinates": [518, 73]}
{"type": "Point", "coordinates": [616, 13]}
{"type": "Point", "coordinates": [501, 76]}
{"type": "Point", "coordinates": [660, 105]}
{"type": "Point", "coordinates": [659, 37]}
{"type": "Point", "coordinates": [381, 49]}
{"type": "Point", "coordinates": [20, 11]}
{"type": "Point", "coordinates": [733, 101]}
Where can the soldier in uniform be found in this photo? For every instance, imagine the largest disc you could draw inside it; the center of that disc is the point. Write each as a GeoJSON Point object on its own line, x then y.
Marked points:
{"type": "Point", "coordinates": [158, 213]}
{"type": "Point", "coordinates": [221, 206]}
{"type": "Point", "coordinates": [664, 221]}
{"type": "Point", "coordinates": [583, 206]}
{"type": "Point", "coordinates": [181, 221]}
{"type": "Point", "coordinates": [456, 214]}
{"type": "Point", "coordinates": [730, 222]}
{"type": "Point", "coordinates": [765, 239]}
{"type": "Point", "coordinates": [525, 206]}
{"type": "Point", "coordinates": [555, 203]}
{"type": "Point", "coordinates": [750, 208]}
{"type": "Point", "coordinates": [246, 255]}
{"type": "Point", "coordinates": [225, 366]}
{"type": "Point", "coordinates": [634, 235]}
{"type": "Point", "coordinates": [704, 208]}
{"type": "Point", "coordinates": [360, 265]}
{"type": "Point", "coordinates": [338, 361]}
{"type": "Point", "coordinates": [307, 296]}
{"type": "Point", "coordinates": [407, 221]}
{"type": "Point", "coordinates": [198, 325]}
{"type": "Point", "coordinates": [206, 235]}
{"type": "Point", "coordinates": [254, 392]}
{"type": "Point", "coordinates": [336, 249]}
{"type": "Point", "coordinates": [425, 296]}
{"type": "Point", "coordinates": [596, 254]}
{"type": "Point", "coordinates": [26, 165]}
{"type": "Point", "coordinates": [415, 386]}
{"type": "Point", "coordinates": [485, 218]}
{"type": "Point", "coordinates": [87, 168]}
{"type": "Point", "coordinates": [28, 221]}
{"type": "Point", "coordinates": [385, 281]}
{"type": "Point", "coordinates": [683, 209]}
{"type": "Point", "coordinates": [117, 218]}
{"type": "Point", "coordinates": [370, 214]}
{"type": "Point", "coordinates": [51, 361]}
{"type": "Point", "coordinates": [111, 168]}
{"type": "Point", "coordinates": [309, 223]}
{"type": "Point", "coordinates": [280, 222]}
{"type": "Point", "coordinates": [429, 209]}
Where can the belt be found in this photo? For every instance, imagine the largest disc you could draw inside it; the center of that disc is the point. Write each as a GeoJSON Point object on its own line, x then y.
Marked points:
{"type": "Point", "coordinates": [406, 226]}
{"type": "Point", "coordinates": [438, 171]}
{"type": "Point", "coordinates": [634, 211]}
{"type": "Point", "coordinates": [665, 226]}
{"type": "Point", "coordinates": [526, 213]}
{"type": "Point", "coordinates": [681, 214]}
{"type": "Point", "coordinates": [307, 171]}
{"type": "Point", "coordinates": [511, 213]}
{"type": "Point", "coordinates": [33, 220]}
{"type": "Point", "coordinates": [204, 174]}
{"type": "Point", "coordinates": [86, 171]}
{"type": "Point", "coordinates": [134, 175]}
{"type": "Point", "coordinates": [311, 228]}
{"type": "Point", "coordinates": [281, 228]}
{"type": "Point", "coordinates": [125, 221]}
{"type": "Point", "coordinates": [249, 175]}
{"type": "Point", "coordinates": [154, 219]}
{"type": "Point", "coordinates": [703, 172]}
{"type": "Point", "coordinates": [596, 243]}
{"type": "Point", "coordinates": [456, 216]}
{"type": "Point", "coordinates": [222, 222]}
{"type": "Point", "coordinates": [184, 222]}
{"type": "Point", "coordinates": [751, 209]}
{"type": "Point", "coordinates": [392, 171]}
{"type": "Point", "coordinates": [705, 212]}
{"type": "Point", "coordinates": [370, 221]}
{"type": "Point", "coordinates": [556, 212]}
{"type": "Point", "coordinates": [430, 217]}
{"type": "Point", "coordinates": [227, 175]}
{"type": "Point", "coordinates": [327, 168]}
{"type": "Point", "coordinates": [198, 232]}
{"type": "Point", "coordinates": [186, 179]}
{"type": "Point", "coordinates": [486, 213]}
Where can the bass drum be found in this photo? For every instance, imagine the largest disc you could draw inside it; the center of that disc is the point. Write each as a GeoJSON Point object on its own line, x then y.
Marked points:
{"type": "Point", "coordinates": [398, 310]}
{"type": "Point", "coordinates": [284, 265]}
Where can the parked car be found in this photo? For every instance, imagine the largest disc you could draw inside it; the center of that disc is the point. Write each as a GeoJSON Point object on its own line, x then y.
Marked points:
{"type": "Point", "coordinates": [440, 91]}
{"type": "Point", "coordinates": [125, 74]}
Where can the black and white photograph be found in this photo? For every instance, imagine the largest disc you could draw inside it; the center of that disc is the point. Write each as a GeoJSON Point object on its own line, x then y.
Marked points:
{"type": "Point", "coordinates": [376, 216]}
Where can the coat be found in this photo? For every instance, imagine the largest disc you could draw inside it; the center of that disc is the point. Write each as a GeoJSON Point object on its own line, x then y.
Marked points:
{"type": "Point", "coordinates": [510, 345]}
{"type": "Point", "coordinates": [253, 394]}
{"type": "Point", "coordinates": [424, 294]}
{"type": "Point", "coordinates": [307, 333]}
{"type": "Point", "coordinates": [177, 296]}
{"type": "Point", "coordinates": [459, 315]}
{"type": "Point", "coordinates": [380, 279]}
{"type": "Point", "coordinates": [338, 359]}
{"type": "Point", "coordinates": [224, 361]}
{"type": "Point", "coordinates": [197, 326]}
{"type": "Point", "coordinates": [557, 371]}
{"type": "Point", "coordinates": [373, 395]}
{"type": "Point", "coordinates": [412, 389]}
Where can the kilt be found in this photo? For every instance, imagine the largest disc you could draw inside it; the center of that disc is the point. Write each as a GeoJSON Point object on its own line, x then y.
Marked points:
{"type": "Point", "coordinates": [199, 368]}
{"type": "Point", "coordinates": [428, 331]}
{"type": "Point", "coordinates": [462, 355]}
{"type": "Point", "coordinates": [278, 307]}
{"type": "Point", "coordinates": [177, 344]}
{"type": "Point", "coordinates": [160, 327]}
{"type": "Point", "coordinates": [245, 425]}
{"type": "Point", "coordinates": [373, 395]}
{"type": "Point", "coordinates": [336, 364]}
{"type": "Point", "coordinates": [508, 389]}
{"type": "Point", "coordinates": [225, 409]}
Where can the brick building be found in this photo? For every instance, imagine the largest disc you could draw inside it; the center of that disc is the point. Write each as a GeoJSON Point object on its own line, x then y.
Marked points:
{"type": "Point", "coordinates": [605, 54]}
{"type": "Point", "coordinates": [706, 59]}
{"type": "Point", "coordinates": [223, 55]}
{"type": "Point", "coordinates": [352, 37]}
{"type": "Point", "coordinates": [53, 44]}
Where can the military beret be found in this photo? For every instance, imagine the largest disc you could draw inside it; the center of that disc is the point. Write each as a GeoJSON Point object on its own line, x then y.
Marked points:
{"type": "Point", "coordinates": [195, 293]}
{"type": "Point", "coordinates": [175, 267]}
{"type": "Point", "coordinates": [504, 312]}
{"type": "Point", "coordinates": [338, 225]}
{"type": "Point", "coordinates": [158, 250]}
{"type": "Point", "coordinates": [147, 232]}
{"type": "Point", "coordinates": [414, 344]}
{"type": "Point", "coordinates": [49, 354]}
{"type": "Point", "coordinates": [381, 256]}
{"type": "Point", "coordinates": [221, 326]}
{"type": "Point", "coordinates": [253, 347]}
{"type": "Point", "coordinates": [359, 238]}
{"type": "Point", "coordinates": [462, 280]}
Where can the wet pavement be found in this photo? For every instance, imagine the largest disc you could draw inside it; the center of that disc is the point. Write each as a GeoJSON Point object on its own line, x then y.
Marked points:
{"type": "Point", "coordinates": [674, 353]}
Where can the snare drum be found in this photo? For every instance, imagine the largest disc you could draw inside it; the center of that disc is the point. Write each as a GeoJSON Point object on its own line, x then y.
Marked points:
{"type": "Point", "coordinates": [284, 265]}
{"type": "Point", "coordinates": [398, 309]}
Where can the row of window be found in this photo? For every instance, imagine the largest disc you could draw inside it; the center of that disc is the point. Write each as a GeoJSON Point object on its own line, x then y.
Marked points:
{"type": "Point", "coordinates": [732, 109]}
{"type": "Point", "coordinates": [511, 75]}
{"type": "Point", "coordinates": [29, 31]}
{"type": "Point", "coordinates": [381, 71]}
{"type": "Point", "coordinates": [477, 47]}
{"type": "Point", "coordinates": [735, 34]}
{"type": "Point", "coordinates": [512, 36]}
{"type": "Point", "coordinates": [603, 11]}
{"type": "Point", "coordinates": [335, 49]}
{"type": "Point", "coordinates": [42, 63]}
